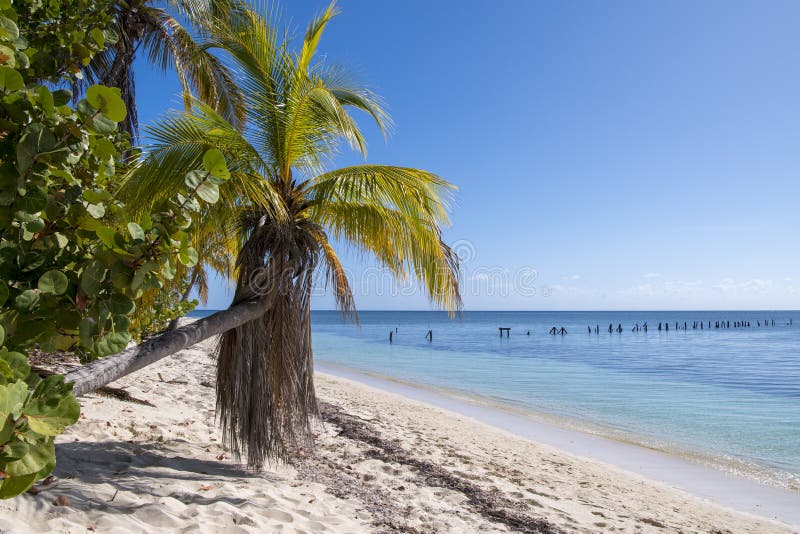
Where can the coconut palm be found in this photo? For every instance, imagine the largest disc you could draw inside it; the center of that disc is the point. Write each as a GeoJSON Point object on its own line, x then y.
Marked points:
{"type": "Point", "coordinates": [156, 28]}
{"type": "Point", "coordinates": [291, 214]}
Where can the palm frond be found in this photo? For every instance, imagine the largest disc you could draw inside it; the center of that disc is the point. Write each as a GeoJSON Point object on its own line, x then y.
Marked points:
{"type": "Point", "coordinates": [397, 214]}
{"type": "Point", "coordinates": [177, 146]}
{"type": "Point", "coordinates": [313, 35]}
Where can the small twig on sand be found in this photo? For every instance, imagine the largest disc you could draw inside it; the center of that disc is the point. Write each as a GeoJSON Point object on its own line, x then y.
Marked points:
{"type": "Point", "coordinates": [121, 394]}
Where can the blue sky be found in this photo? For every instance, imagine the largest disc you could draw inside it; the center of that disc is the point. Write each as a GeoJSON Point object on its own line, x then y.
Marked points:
{"type": "Point", "coordinates": [609, 155]}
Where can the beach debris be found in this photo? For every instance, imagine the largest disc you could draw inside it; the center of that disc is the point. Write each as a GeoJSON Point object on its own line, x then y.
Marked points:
{"type": "Point", "coordinates": [62, 500]}
{"type": "Point", "coordinates": [493, 505]}
{"type": "Point", "coordinates": [206, 487]}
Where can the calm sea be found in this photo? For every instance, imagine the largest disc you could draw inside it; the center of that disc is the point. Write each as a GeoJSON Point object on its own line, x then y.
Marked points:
{"type": "Point", "coordinates": [726, 396]}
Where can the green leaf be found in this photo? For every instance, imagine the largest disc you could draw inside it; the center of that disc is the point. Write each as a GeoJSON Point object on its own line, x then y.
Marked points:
{"type": "Point", "coordinates": [86, 331]}
{"type": "Point", "coordinates": [136, 231]}
{"type": "Point", "coordinates": [96, 210]}
{"type": "Point", "coordinates": [13, 450]}
{"type": "Point", "coordinates": [93, 277]}
{"type": "Point", "coordinates": [52, 407]}
{"type": "Point", "coordinates": [33, 202]}
{"type": "Point", "coordinates": [188, 257]}
{"type": "Point", "coordinates": [10, 79]}
{"type": "Point", "coordinates": [98, 37]}
{"type": "Point", "coordinates": [106, 235]}
{"type": "Point", "coordinates": [112, 344]}
{"type": "Point", "coordinates": [108, 101]}
{"type": "Point", "coordinates": [46, 99]}
{"type": "Point", "coordinates": [2, 335]}
{"type": "Point", "coordinates": [6, 429]}
{"type": "Point", "coordinates": [12, 399]}
{"type": "Point", "coordinates": [53, 282]}
{"type": "Point", "coordinates": [8, 30]}
{"type": "Point", "coordinates": [3, 292]}
{"type": "Point", "coordinates": [198, 181]}
{"type": "Point", "coordinates": [120, 304]}
{"type": "Point", "coordinates": [103, 125]}
{"type": "Point", "coordinates": [62, 97]}
{"type": "Point", "coordinates": [36, 139]}
{"type": "Point", "coordinates": [17, 366]}
{"type": "Point", "coordinates": [27, 300]}
{"type": "Point", "coordinates": [103, 148]}
{"type": "Point", "coordinates": [214, 163]}
{"type": "Point", "coordinates": [7, 56]}
{"type": "Point", "coordinates": [39, 456]}
{"type": "Point", "coordinates": [11, 487]}
{"type": "Point", "coordinates": [121, 275]}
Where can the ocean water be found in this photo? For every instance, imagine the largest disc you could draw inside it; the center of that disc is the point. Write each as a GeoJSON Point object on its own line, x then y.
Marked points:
{"type": "Point", "coordinates": [729, 397]}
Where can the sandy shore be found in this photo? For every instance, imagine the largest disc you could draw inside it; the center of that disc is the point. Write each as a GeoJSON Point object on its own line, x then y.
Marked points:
{"type": "Point", "coordinates": [383, 463]}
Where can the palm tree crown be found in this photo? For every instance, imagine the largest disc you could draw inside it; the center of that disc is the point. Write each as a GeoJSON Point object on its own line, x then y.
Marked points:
{"type": "Point", "coordinates": [167, 43]}
{"type": "Point", "coordinates": [287, 212]}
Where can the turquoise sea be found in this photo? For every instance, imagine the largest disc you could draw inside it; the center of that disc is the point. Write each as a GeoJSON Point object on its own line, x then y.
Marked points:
{"type": "Point", "coordinates": [725, 396]}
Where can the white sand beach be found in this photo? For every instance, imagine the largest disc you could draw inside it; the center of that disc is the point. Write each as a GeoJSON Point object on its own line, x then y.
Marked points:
{"type": "Point", "coordinates": [383, 463]}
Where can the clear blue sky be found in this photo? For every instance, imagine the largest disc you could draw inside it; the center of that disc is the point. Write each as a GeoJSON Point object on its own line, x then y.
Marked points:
{"type": "Point", "coordinates": [635, 155]}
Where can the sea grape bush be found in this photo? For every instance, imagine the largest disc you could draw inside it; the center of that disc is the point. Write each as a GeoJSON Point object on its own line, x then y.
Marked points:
{"type": "Point", "coordinates": [73, 262]}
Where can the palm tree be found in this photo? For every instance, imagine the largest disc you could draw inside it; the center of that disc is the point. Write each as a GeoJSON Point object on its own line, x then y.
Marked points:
{"type": "Point", "coordinates": [290, 214]}
{"type": "Point", "coordinates": [167, 44]}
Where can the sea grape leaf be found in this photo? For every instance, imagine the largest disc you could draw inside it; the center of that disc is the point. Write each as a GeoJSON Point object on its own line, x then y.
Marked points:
{"type": "Point", "coordinates": [136, 231]}
{"type": "Point", "coordinates": [205, 189]}
{"type": "Point", "coordinates": [112, 344]}
{"type": "Point", "coordinates": [214, 163]}
{"type": "Point", "coordinates": [10, 79]}
{"type": "Point", "coordinates": [120, 304]}
{"type": "Point", "coordinates": [27, 300]}
{"type": "Point", "coordinates": [7, 56]}
{"type": "Point", "coordinates": [52, 408]}
{"type": "Point", "coordinates": [8, 30]}
{"type": "Point", "coordinates": [53, 282]}
{"type": "Point", "coordinates": [106, 235]}
{"type": "Point", "coordinates": [12, 399]}
{"type": "Point", "coordinates": [39, 457]}
{"type": "Point", "coordinates": [188, 256]}
{"type": "Point", "coordinates": [96, 210]}
{"type": "Point", "coordinates": [92, 277]}
{"type": "Point", "coordinates": [13, 450]}
{"type": "Point", "coordinates": [13, 486]}
{"type": "Point", "coordinates": [108, 101]}
{"type": "Point", "coordinates": [17, 366]}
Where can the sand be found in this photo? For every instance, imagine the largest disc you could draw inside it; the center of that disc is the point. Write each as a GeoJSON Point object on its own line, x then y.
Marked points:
{"type": "Point", "coordinates": [382, 463]}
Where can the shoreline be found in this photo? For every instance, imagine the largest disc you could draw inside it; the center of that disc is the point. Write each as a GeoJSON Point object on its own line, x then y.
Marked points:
{"type": "Point", "coordinates": [729, 489]}
{"type": "Point", "coordinates": [381, 462]}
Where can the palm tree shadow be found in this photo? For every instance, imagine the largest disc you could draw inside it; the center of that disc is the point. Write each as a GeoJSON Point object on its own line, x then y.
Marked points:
{"type": "Point", "coordinates": [141, 469]}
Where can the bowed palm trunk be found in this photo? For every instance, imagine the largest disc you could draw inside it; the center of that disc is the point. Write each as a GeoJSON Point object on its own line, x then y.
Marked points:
{"type": "Point", "coordinates": [265, 367]}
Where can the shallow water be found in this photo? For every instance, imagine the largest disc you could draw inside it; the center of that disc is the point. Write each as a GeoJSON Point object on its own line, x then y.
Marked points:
{"type": "Point", "coordinates": [730, 397]}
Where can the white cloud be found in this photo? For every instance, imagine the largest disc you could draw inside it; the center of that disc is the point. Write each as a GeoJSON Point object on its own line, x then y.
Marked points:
{"type": "Point", "coordinates": [731, 286]}
{"type": "Point", "coordinates": [651, 275]}
{"type": "Point", "coordinates": [571, 277]}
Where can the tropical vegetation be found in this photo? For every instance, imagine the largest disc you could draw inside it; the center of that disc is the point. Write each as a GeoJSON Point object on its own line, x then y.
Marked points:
{"type": "Point", "coordinates": [99, 239]}
{"type": "Point", "coordinates": [73, 264]}
{"type": "Point", "coordinates": [155, 29]}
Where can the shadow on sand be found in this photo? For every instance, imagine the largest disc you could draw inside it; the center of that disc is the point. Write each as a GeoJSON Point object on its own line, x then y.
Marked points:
{"type": "Point", "coordinates": [139, 468]}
